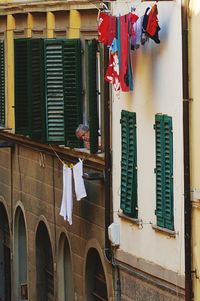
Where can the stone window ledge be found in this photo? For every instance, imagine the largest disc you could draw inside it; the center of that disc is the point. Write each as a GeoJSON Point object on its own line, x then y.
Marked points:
{"type": "Point", "coordinates": [165, 231]}
{"type": "Point", "coordinates": [133, 220]}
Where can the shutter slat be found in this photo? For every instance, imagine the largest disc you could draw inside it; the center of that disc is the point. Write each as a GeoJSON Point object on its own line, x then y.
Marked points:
{"type": "Point", "coordinates": [37, 89]}
{"type": "Point", "coordinates": [92, 95]}
{"type": "Point", "coordinates": [164, 171]}
{"type": "Point", "coordinates": [54, 91]}
{"type": "Point", "coordinates": [128, 164]}
{"type": "Point", "coordinates": [22, 82]}
{"type": "Point", "coordinates": [72, 90]}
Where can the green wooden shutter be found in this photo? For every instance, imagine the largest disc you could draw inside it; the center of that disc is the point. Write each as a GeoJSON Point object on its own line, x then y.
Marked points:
{"type": "Point", "coordinates": [37, 114]}
{"type": "Point", "coordinates": [53, 55]}
{"type": "Point", "coordinates": [164, 171]}
{"type": "Point", "coordinates": [92, 96]}
{"type": "Point", "coordinates": [129, 164]}
{"type": "Point", "coordinates": [22, 82]}
{"type": "Point", "coordinates": [159, 171]}
{"type": "Point", "coordinates": [72, 90]}
{"type": "Point", "coordinates": [2, 84]}
{"type": "Point", "coordinates": [168, 153]}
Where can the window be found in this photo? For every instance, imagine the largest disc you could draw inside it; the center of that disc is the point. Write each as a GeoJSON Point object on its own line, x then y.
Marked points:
{"type": "Point", "coordinates": [164, 171]}
{"type": "Point", "coordinates": [2, 85]}
{"type": "Point", "coordinates": [129, 164]}
{"type": "Point", "coordinates": [49, 93]}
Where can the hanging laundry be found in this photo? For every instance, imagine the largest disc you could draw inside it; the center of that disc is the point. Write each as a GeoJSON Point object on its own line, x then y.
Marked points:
{"type": "Point", "coordinates": [136, 39]}
{"type": "Point", "coordinates": [132, 33]}
{"type": "Point", "coordinates": [152, 25]}
{"type": "Point", "coordinates": [78, 180]}
{"type": "Point", "coordinates": [112, 72]}
{"type": "Point", "coordinates": [144, 36]}
{"type": "Point", "coordinates": [124, 53]}
{"type": "Point", "coordinates": [107, 29]}
{"type": "Point", "coordinates": [67, 200]}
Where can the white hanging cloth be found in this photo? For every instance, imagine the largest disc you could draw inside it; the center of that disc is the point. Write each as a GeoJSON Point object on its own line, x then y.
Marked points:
{"type": "Point", "coordinates": [67, 199]}
{"type": "Point", "coordinates": [78, 180]}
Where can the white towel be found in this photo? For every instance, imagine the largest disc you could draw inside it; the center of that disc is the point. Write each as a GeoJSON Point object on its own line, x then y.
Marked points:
{"type": "Point", "coordinates": [67, 200]}
{"type": "Point", "coordinates": [78, 180]}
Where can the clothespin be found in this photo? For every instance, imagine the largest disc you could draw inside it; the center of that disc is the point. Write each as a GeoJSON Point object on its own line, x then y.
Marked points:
{"type": "Point", "coordinates": [71, 165]}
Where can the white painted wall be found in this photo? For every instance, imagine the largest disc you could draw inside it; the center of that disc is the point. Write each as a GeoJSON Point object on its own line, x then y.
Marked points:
{"type": "Point", "coordinates": [158, 89]}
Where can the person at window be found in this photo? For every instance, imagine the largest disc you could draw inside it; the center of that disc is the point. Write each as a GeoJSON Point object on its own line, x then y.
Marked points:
{"type": "Point", "coordinates": [83, 133]}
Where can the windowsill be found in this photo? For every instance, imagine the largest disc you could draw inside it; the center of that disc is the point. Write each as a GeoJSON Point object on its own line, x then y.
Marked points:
{"type": "Point", "coordinates": [165, 231]}
{"type": "Point", "coordinates": [133, 220]}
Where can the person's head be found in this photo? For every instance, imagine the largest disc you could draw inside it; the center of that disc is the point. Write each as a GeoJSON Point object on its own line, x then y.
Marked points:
{"type": "Point", "coordinates": [82, 132]}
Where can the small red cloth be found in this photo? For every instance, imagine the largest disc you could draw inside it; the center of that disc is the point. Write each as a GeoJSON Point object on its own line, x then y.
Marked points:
{"type": "Point", "coordinates": [152, 24]}
{"type": "Point", "coordinates": [107, 28]}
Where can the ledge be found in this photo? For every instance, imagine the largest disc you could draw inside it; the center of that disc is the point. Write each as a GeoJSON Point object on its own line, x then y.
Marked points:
{"type": "Point", "coordinates": [95, 161]}
{"type": "Point", "coordinates": [15, 7]}
{"type": "Point", "coordinates": [165, 231]}
{"type": "Point", "coordinates": [133, 220]}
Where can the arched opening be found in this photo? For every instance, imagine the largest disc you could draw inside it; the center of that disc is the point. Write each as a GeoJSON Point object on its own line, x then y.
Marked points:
{"type": "Point", "coordinates": [20, 259]}
{"type": "Point", "coordinates": [96, 288]}
{"type": "Point", "coordinates": [44, 265]}
{"type": "Point", "coordinates": [5, 271]}
{"type": "Point", "coordinates": [65, 275]}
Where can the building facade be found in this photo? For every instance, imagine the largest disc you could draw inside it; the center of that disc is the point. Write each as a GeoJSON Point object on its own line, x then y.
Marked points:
{"type": "Point", "coordinates": [148, 163]}
{"type": "Point", "coordinates": [51, 66]}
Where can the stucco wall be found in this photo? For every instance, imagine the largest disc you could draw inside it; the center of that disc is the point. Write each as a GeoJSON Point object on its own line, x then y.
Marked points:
{"type": "Point", "coordinates": [157, 89]}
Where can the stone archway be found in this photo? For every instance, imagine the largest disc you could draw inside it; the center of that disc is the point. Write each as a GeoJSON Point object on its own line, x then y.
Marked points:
{"type": "Point", "coordinates": [44, 265]}
{"type": "Point", "coordinates": [5, 265]}
{"type": "Point", "coordinates": [96, 288]}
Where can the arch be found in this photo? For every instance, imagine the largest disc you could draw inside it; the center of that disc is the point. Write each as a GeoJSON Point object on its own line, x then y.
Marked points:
{"type": "Point", "coordinates": [5, 258]}
{"type": "Point", "coordinates": [65, 274]}
{"type": "Point", "coordinates": [20, 255]}
{"type": "Point", "coordinates": [44, 264]}
{"type": "Point", "coordinates": [95, 279]}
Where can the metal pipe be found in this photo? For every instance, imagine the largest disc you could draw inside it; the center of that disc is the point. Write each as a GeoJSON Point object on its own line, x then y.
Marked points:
{"type": "Point", "coordinates": [186, 151]}
{"type": "Point", "coordinates": [107, 170]}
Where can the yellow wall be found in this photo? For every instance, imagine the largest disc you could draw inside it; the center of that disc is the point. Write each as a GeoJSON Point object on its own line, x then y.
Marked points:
{"type": "Point", "coordinates": [74, 24]}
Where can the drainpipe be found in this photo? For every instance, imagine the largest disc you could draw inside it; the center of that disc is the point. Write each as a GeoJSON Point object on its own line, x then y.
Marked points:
{"type": "Point", "coordinates": [186, 143]}
{"type": "Point", "coordinates": [107, 171]}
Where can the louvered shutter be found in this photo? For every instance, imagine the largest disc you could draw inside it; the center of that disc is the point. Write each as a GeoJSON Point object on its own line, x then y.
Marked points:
{"type": "Point", "coordinates": [168, 154]}
{"type": "Point", "coordinates": [92, 96]}
{"type": "Point", "coordinates": [164, 171]}
{"type": "Point", "coordinates": [22, 82]}
{"type": "Point", "coordinates": [72, 90]}
{"type": "Point", "coordinates": [159, 170]}
{"type": "Point", "coordinates": [128, 164]}
{"type": "Point", "coordinates": [37, 110]}
{"type": "Point", "coordinates": [2, 84]}
{"type": "Point", "coordinates": [54, 102]}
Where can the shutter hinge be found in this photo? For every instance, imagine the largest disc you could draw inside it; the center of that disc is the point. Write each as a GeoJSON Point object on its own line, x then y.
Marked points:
{"type": "Point", "coordinates": [120, 121]}
{"type": "Point", "coordinates": [82, 51]}
{"type": "Point", "coordinates": [155, 212]}
{"type": "Point", "coordinates": [154, 170]}
{"type": "Point", "coordinates": [154, 126]}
